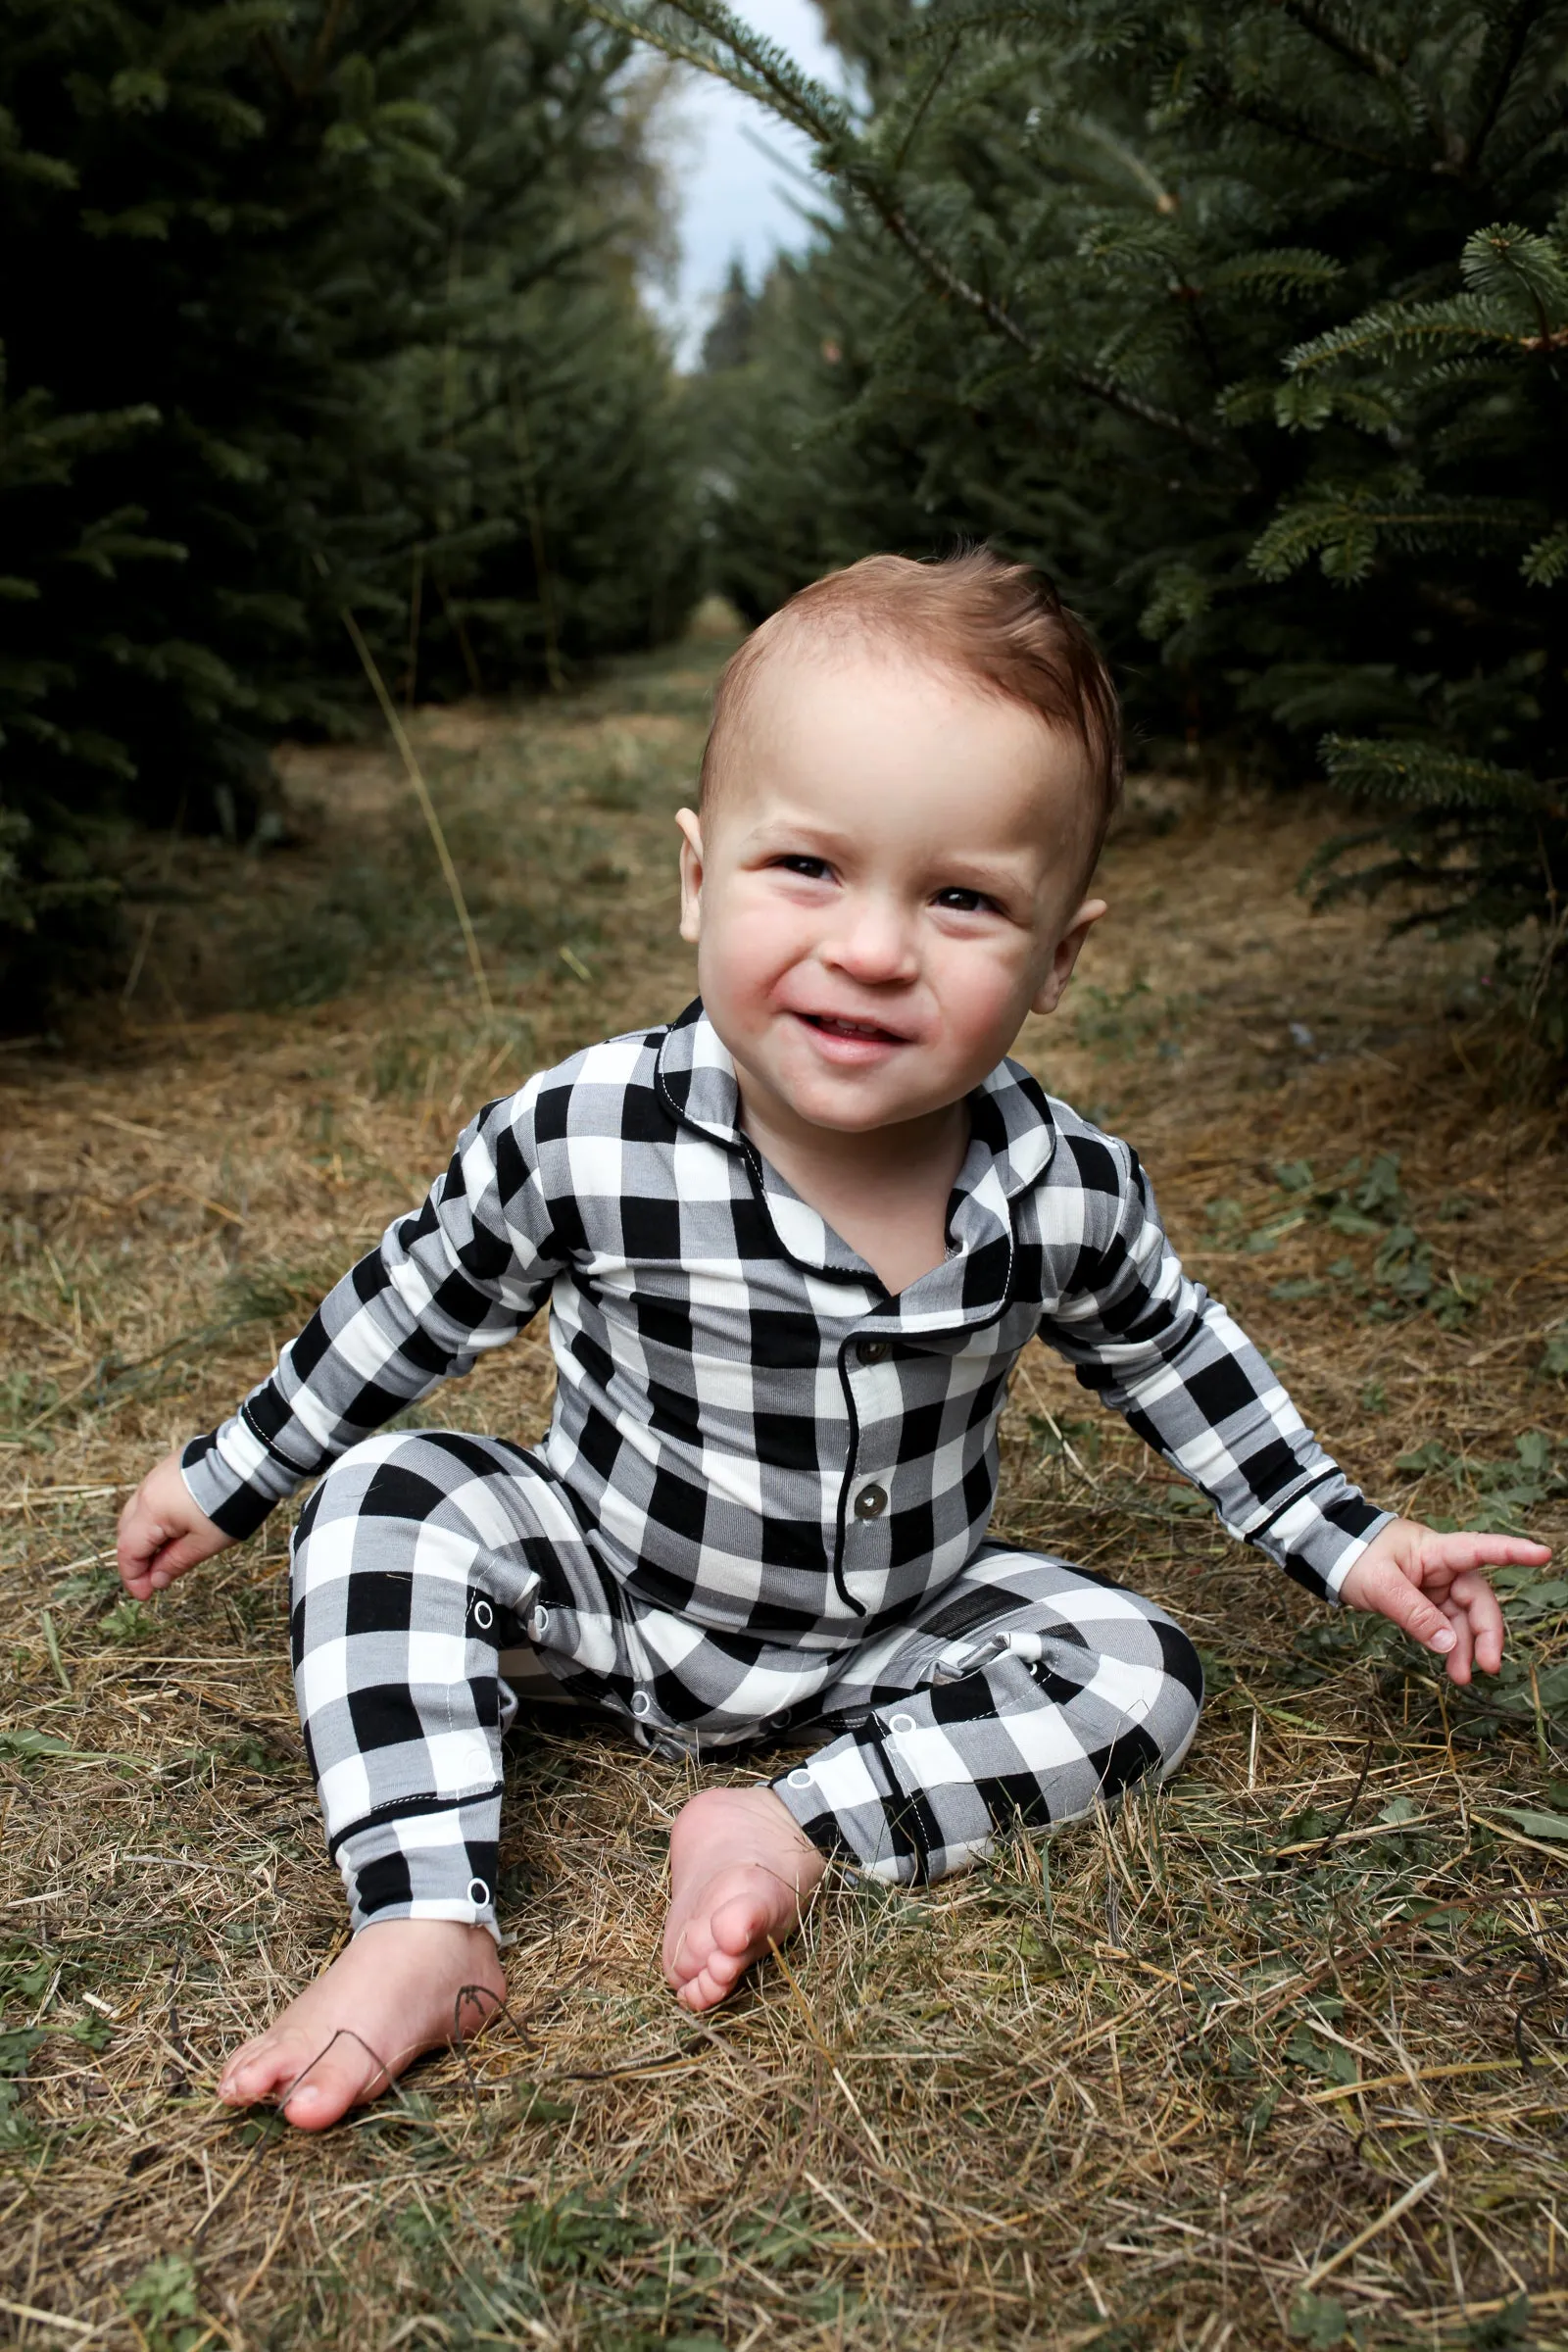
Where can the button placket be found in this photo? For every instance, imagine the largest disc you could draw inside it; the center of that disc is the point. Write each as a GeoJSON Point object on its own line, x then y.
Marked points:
{"type": "Point", "coordinates": [871, 1352]}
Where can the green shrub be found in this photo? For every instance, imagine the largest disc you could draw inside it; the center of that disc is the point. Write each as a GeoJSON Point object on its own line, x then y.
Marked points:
{"type": "Point", "coordinates": [1250, 321]}
{"type": "Point", "coordinates": [305, 306]}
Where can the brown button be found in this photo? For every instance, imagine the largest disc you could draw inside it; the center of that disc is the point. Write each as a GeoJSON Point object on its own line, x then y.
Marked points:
{"type": "Point", "coordinates": [874, 1352]}
{"type": "Point", "coordinates": [870, 1503]}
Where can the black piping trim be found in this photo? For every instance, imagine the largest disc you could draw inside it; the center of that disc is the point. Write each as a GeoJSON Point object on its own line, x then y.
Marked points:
{"type": "Point", "coordinates": [274, 1452]}
{"type": "Point", "coordinates": [839, 1586]}
{"type": "Point", "coordinates": [1323, 1479]}
{"type": "Point", "coordinates": [404, 1808]}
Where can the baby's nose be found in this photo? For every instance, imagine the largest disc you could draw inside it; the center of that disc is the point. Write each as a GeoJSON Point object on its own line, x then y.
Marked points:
{"type": "Point", "coordinates": [875, 941]}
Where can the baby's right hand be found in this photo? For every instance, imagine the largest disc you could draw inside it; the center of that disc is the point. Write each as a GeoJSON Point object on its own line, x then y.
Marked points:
{"type": "Point", "coordinates": [162, 1533]}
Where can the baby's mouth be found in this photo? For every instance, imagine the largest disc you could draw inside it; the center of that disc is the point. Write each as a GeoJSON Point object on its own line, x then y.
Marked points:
{"type": "Point", "coordinates": [833, 1024]}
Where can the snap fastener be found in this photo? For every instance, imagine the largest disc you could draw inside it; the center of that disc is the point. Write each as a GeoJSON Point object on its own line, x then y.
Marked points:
{"type": "Point", "coordinates": [776, 1722]}
{"type": "Point", "coordinates": [799, 1778]}
{"type": "Point", "coordinates": [540, 1625]}
{"type": "Point", "coordinates": [870, 1503]}
{"type": "Point", "coordinates": [484, 1615]}
{"type": "Point", "coordinates": [874, 1352]}
{"type": "Point", "coordinates": [640, 1703]}
{"type": "Point", "coordinates": [478, 1891]}
{"type": "Point", "coordinates": [900, 1723]}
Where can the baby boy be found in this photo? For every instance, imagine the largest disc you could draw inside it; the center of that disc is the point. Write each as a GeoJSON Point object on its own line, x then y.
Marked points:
{"type": "Point", "coordinates": [792, 1243]}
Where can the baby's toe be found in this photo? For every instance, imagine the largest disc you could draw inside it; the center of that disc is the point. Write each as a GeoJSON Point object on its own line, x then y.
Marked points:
{"type": "Point", "coordinates": [329, 2085]}
{"type": "Point", "coordinates": [705, 1989]}
{"type": "Point", "coordinates": [739, 1931]}
{"type": "Point", "coordinates": [257, 2070]}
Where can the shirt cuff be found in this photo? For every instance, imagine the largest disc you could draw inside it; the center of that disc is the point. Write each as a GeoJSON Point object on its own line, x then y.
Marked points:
{"type": "Point", "coordinates": [233, 1479]}
{"type": "Point", "coordinates": [1318, 1538]}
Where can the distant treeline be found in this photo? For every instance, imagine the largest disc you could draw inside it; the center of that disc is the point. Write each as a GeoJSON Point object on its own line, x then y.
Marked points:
{"type": "Point", "coordinates": [1249, 321]}
{"type": "Point", "coordinates": [307, 307]}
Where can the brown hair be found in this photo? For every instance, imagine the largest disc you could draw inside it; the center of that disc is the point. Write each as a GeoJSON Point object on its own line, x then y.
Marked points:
{"type": "Point", "coordinates": [974, 613]}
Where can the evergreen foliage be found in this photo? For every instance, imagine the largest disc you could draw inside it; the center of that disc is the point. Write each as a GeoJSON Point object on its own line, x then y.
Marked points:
{"type": "Point", "coordinates": [308, 304]}
{"type": "Point", "coordinates": [728, 341]}
{"type": "Point", "coordinates": [1251, 323]}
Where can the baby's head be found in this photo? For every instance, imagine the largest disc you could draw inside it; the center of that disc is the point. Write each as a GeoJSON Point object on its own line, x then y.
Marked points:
{"type": "Point", "coordinates": [903, 797]}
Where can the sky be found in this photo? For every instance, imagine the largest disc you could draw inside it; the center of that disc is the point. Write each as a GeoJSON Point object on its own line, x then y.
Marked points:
{"type": "Point", "coordinates": [734, 198]}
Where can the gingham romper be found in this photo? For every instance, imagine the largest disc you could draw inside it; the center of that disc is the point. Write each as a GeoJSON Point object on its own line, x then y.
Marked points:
{"type": "Point", "coordinates": [762, 1504]}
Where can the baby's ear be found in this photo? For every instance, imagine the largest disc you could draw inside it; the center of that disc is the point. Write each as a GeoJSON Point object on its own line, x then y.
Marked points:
{"type": "Point", "coordinates": [691, 873]}
{"type": "Point", "coordinates": [1050, 992]}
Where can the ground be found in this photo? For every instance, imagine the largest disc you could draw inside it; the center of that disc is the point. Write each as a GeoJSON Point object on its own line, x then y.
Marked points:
{"type": "Point", "coordinates": [1286, 2049]}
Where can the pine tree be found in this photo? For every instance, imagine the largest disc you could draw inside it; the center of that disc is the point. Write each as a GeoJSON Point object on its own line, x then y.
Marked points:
{"type": "Point", "coordinates": [1250, 322]}
{"type": "Point", "coordinates": [310, 305]}
{"type": "Point", "coordinates": [728, 340]}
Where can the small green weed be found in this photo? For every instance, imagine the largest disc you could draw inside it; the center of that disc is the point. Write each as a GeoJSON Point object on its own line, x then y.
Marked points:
{"type": "Point", "coordinates": [25, 1397]}
{"type": "Point", "coordinates": [1321, 2322]}
{"type": "Point", "coordinates": [162, 2300]}
{"type": "Point", "coordinates": [1114, 1024]}
{"type": "Point", "coordinates": [127, 1624]}
{"type": "Point", "coordinates": [1498, 1496]}
{"type": "Point", "coordinates": [1365, 1202]}
{"type": "Point", "coordinates": [579, 2237]}
{"type": "Point", "coordinates": [18, 2131]}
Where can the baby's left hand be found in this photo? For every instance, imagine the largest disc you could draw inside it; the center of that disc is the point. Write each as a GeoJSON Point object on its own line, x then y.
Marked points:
{"type": "Point", "coordinates": [1427, 1584]}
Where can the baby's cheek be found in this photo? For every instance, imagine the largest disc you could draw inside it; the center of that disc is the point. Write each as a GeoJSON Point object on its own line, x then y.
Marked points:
{"type": "Point", "coordinates": [742, 958]}
{"type": "Point", "coordinates": [984, 997]}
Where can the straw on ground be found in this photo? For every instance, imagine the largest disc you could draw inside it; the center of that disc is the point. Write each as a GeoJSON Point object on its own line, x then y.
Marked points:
{"type": "Point", "coordinates": [1284, 2047]}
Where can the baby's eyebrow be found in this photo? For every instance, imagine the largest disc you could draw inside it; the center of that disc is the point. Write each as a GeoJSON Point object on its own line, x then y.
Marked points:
{"type": "Point", "coordinates": [979, 873]}
{"type": "Point", "coordinates": [794, 832]}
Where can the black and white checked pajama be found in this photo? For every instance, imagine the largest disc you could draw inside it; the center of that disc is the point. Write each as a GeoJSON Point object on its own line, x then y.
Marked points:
{"type": "Point", "coordinates": [762, 1501]}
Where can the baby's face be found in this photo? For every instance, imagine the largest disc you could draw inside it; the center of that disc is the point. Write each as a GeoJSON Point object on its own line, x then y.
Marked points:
{"type": "Point", "coordinates": [889, 882]}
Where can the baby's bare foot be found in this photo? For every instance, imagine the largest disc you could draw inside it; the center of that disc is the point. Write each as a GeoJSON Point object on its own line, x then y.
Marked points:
{"type": "Point", "coordinates": [402, 1986]}
{"type": "Point", "coordinates": [740, 1871]}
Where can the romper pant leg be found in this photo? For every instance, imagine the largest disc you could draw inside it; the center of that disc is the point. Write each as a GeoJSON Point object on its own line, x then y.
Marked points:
{"type": "Point", "coordinates": [420, 1557]}
{"type": "Point", "coordinates": [1026, 1692]}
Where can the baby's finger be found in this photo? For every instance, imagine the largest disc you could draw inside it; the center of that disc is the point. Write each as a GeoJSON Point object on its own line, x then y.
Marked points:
{"type": "Point", "coordinates": [1483, 1613]}
{"type": "Point", "coordinates": [1461, 1656]}
{"type": "Point", "coordinates": [1392, 1595]}
{"type": "Point", "coordinates": [1467, 1549]}
{"type": "Point", "coordinates": [137, 1538]}
{"type": "Point", "coordinates": [184, 1552]}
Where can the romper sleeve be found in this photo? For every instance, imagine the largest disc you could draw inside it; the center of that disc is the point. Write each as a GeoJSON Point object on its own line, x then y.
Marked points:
{"type": "Point", "coordinates": [465, 1272]}
{"type": "Point", "coordinates": [1157, 1348]}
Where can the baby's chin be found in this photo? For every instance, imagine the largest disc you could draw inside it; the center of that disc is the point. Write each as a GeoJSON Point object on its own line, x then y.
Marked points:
{"type": "Point", "coordinates": [851, 1099]}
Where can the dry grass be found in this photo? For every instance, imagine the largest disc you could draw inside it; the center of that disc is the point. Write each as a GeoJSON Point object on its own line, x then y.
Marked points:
{"type": "Point", "coordinates": [1293, 2041]}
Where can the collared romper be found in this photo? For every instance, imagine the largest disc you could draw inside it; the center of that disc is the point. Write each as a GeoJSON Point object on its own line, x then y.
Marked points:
{"type": "Point", "coordinates": [762, 1499]}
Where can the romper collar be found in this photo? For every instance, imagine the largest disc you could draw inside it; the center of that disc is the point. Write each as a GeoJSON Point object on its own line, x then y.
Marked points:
{"type": "Point", "coordinates": [1013, 1136]}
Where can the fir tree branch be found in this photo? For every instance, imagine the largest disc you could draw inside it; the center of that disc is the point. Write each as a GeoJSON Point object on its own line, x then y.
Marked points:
{"type": "Point", "coordinates": [271, 49]}
{"type": "Point", "coordinates": [866, 181]}
{"type": "Point", "coordinates": [1002, 322]}
{"type": "Point", "coordinates": [759, 70]}
{"type": "Point", "coordinates": [1547, 114]}
{"type": "Point", "coordinates": [1371, 61]}
{"type": "Point", "coordinates": [934, 82]}
{"type": "Point", "coordinates": [1524, 18]}
{"type": "Point", "coordinates": [321, 47]}
{"type": "Point", "coordinates": [1289, 127]}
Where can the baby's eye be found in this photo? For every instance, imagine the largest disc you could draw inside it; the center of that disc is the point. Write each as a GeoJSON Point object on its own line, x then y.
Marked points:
{"type": "Point", "coordinates": [965, 901]}
{"type": "Point", "coordinates": [813, 868]}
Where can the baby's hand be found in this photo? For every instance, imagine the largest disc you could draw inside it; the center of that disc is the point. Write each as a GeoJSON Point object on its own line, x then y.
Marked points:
{"type": "Point", "coordinates": [1427, 1584]}
{"type": "Point", "coordinates": [162, 1533]}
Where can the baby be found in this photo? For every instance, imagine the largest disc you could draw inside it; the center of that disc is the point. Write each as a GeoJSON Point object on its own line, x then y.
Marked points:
{"type": "Point", "coordinates": [792, 1243]}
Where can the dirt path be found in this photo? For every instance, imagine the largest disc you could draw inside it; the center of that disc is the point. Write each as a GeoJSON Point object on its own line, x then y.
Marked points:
{"type": "Point", "coordinates": [1106, 2085]}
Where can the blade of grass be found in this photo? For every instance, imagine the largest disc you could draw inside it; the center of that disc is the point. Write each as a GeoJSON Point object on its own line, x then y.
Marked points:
{"type": "Point", "coordinates": [428, 809]}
